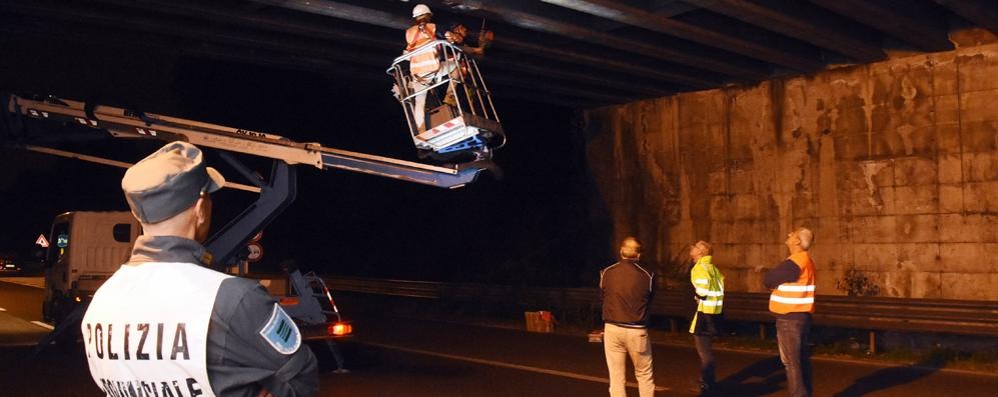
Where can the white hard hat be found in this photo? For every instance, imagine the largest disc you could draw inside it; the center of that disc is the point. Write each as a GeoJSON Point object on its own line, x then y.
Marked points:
{"type": "Point", "coordinates": [420, 9]}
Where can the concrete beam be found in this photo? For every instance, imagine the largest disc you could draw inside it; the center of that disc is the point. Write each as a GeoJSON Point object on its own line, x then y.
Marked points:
{"type": "Point", "coordinates": [530, 15]}
{"type": "Point", "coordinates": [346, 11]}
{"type": "Point", "coordinates": [574, 92]}
{"type": "Point", "coordinates": [666, 8]}
{"type": "Point", "coordinates": [750, 46]}
{"type": "Point", "coordinates": [270, 51]}
{"type": "Point", "coordinates": [797, 20]}
{"type": "Point", "coordinates": [201, 33]}
{"type": "Point", "coordinates": [514, 93]}
{"type": "Point", "coordinates": [249, 17]}
{"type": "Point", "coordinates": [313, 30]}
{"type": "Point", "coordinates": [912, 21]}
{"type": "Point", "coordinates": [981, 12]}
{"type": "Point", "coordinates": [588, 78]}
{"type": "Point", "coordinates": [637, 68]}
{"type": "Point", "coordinates": [323, 67]}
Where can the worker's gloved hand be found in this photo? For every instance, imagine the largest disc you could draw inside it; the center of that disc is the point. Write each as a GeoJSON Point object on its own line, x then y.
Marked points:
{"type": "Point", "coordinates": [485, 38]}
{"type": "Point", "coordinates": [396, 92]}
{"type": "Point", "coordinates": [454, 37]}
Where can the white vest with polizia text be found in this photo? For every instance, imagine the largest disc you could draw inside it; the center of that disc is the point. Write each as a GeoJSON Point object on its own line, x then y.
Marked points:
{"type": "Point", "coordinates": [425, 63]}
{"type": "Point", "coordinates": [146, 330]}
{"type": "Point", "coordinates": [798, 296]}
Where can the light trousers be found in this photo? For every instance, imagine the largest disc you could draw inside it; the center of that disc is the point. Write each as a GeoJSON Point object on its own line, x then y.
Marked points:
{"type": "Point", "coordinates": [419, 101]}
{"type": "Point", "coordinates": [619, 343]}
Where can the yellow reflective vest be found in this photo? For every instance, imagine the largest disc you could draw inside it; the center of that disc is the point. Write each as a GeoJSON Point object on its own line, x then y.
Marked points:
{"type": "Point", "coordinates": [709, 284]}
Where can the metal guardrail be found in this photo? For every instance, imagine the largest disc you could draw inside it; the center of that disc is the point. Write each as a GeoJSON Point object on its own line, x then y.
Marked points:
{"type": "Point", "coordinates": [880, 314]}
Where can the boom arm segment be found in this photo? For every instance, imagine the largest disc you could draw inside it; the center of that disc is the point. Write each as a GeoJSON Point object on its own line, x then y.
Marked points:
{"type": "Point", "coordinates": [124, 123]}
{"type": "Point", "coordinates": [275, 193]}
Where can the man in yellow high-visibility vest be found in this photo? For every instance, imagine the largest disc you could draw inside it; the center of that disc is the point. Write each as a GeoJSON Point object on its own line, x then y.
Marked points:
{"type": "Point", "coordinates": [792, 300]}
{"type": "Point", "coordinates": [708, 284]}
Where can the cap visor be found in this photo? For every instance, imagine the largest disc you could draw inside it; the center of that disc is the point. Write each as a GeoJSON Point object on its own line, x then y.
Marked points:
{"type": "Point", "coordinates": [216, 180]}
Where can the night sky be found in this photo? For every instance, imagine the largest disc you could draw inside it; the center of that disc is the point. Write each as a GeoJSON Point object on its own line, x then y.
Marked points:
{"type": "Point", "coordinates": [540, 225]}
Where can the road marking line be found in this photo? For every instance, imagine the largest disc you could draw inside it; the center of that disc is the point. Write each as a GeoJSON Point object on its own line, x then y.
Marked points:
{"type": "Point", "coordinates": [33, 282]}
{"type": "Point", "coordinates": [43, 325]}
{"type": "Point", "coordinates": [546, 371]}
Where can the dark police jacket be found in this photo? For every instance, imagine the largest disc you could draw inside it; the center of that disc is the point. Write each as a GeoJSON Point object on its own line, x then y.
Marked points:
{"type": "Point", "coordinates": [627, 290]}
{"type": "Point", "coordinates": [242, 354]}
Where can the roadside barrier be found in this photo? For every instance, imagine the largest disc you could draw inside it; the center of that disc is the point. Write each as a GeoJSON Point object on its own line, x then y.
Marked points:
{"type": "Point", "coordinates": [978, 318]}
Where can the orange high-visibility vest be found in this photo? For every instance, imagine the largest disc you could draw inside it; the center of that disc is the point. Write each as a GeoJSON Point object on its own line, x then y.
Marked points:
{"type": "Point", "coordinates": [427, 63]}
{"type": "Point", "coordinates": [798, 296]}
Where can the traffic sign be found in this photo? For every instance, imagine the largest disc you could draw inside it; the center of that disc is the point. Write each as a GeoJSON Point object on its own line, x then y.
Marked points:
{"type": "Point", "coordinates": [42, 241]}
{"type": "Point", "coordinates": [255, 252]}
{"type": "Point", "coordinates": [257, 237]}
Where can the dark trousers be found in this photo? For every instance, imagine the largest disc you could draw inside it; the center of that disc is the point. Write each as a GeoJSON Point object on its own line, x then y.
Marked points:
{"type": "Point", "coordinates": [706, 353]}
{"type": "Point", "coordinates": [792, 335]}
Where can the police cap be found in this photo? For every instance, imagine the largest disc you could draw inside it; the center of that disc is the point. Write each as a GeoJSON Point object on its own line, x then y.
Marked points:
{"type": "Point", "coordinates": [168, 182]}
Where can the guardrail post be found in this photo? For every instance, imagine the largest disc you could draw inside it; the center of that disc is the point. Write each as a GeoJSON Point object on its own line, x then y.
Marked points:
{"type": "Point", "coordinates": [673, 325]}
{"type": "Point", "coordinates": [762, 331]}
{"type": "Point", "coordinates": [873, 342]}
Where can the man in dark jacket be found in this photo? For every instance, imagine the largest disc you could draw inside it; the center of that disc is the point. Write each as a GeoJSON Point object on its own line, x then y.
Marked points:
{"type": "Point", "coordinates": [627, 290]}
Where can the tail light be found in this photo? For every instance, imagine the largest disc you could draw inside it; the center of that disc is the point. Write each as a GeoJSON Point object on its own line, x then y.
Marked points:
{"type": "Point", "coordinates": [340, 329]}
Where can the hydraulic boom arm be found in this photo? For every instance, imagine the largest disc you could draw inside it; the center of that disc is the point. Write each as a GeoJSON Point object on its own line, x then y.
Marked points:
{"type": "Point", "coordinates": [124, 123]}
{"type": "Point", "coordinates": [275, 193]}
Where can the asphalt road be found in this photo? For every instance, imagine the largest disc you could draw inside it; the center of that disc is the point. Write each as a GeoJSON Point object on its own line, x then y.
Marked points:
{"type": "Point", "coordinates": [19, 306]}
{"type": "Point", "coordinates": [406, 357]}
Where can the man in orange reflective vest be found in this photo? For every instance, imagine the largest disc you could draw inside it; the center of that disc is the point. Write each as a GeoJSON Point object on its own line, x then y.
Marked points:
{"type": "Point", "coordinates": [422, 32]}
{"type": "Point", "coordinates": [426, 68]}
{"type": "Point", "coordinates": [792, 300]}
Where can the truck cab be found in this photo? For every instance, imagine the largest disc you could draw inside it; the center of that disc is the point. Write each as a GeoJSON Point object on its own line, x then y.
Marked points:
{"type": "Point", "coordinates": [86, 247]}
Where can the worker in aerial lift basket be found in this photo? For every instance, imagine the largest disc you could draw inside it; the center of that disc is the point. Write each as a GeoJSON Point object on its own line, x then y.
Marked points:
{"type": "Point", "coordinates": [427, 68]}
{"type": "Point", "coordinates": [165, 324]}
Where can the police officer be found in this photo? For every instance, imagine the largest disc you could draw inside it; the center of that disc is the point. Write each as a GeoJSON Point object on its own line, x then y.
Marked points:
{"type": "Point", "coordinates": [166, 325]}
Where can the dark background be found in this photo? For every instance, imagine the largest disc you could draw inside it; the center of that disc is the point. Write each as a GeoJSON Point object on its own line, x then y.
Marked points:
{"type": "Point", "coordinates": [543, 224]}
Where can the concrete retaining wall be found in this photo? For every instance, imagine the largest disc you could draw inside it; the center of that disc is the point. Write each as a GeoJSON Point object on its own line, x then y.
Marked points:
{"type": "Point", "coordinates": [894, 165]}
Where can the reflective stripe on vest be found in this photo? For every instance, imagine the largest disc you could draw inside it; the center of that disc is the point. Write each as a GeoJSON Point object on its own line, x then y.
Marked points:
{"type": "Point", "coordinates": [147, 327]}
{"type": "Point", "coordinates": [796, 297]}
{"type": "Point", "coordinates": [708, 282]}
{"type": "Point", "coordinates": [426, 63]}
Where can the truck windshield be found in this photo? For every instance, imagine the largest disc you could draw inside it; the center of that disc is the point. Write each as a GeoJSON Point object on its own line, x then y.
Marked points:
{"type": "Point", "coordinates": [59, 245]}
